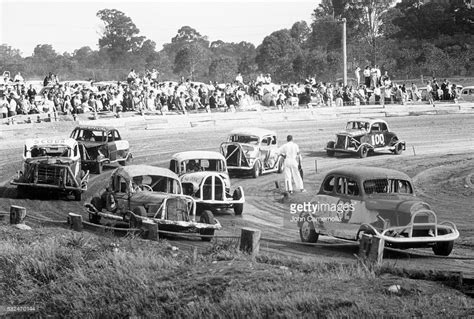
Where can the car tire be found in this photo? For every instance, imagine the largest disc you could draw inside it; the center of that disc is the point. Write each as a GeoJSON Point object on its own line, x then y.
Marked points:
{"type": "Point", "coordinates": [443, 248]}
{"type": "Point", "coordinates": [281, 162]}
{"type": "Point", "coordinates": [97, 203]}
{"type": "Point", "coordinates": [135, 221]}
{"type": "Point", "coordinates": [207, 218]}
{"type": "Point", "coordinates": [307, 232]}
{"type": "Point", "coordinates": [330, 153]}
{"type": "Point", "coordinates": [256, 169]}
{"type": "Point", "coordinates": [398, 149]}
{"type": "Point", "coordinates": [238, 208]}
{"type": "Point", "coordinates": [363, 151]}
{"type": "Point", "coordinates": [77, 196]}
{"type": "Point", "coordinates": [98, 168]}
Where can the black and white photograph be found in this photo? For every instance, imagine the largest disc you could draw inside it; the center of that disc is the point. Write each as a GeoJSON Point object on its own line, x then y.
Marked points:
{"type": "Point", "coordinates": [237, 159]}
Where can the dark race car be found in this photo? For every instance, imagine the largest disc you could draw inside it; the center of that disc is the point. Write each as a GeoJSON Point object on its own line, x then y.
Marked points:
{"type": "Point", "coordinates": [364, 136]}
{"type": "Point", "coordinates": [101, 145]}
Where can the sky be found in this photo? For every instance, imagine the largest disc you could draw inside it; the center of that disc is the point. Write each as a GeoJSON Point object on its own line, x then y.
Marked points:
{"type": "Point", "coordinates": [71, 24]}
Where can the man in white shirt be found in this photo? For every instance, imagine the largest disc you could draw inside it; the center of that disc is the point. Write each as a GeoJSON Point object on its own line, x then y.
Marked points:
{"type": "Point", "coordinates": [239, 79]}
{"type": "Point", "coordinates": [292, 155]}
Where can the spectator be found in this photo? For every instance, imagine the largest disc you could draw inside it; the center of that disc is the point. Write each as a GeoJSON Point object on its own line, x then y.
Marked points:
{"type": "Point", "coordinates": [366, 74]}
{"type": "Point", "coordinates": [239, 79]}
{"type": "Point", "coordinates": [357, 75]}
{"type": "Point", "coordinates": [430, 93]}
{"type": "Point", "coordinates": [18, 78]}
{"type": "Point", "coordinates": [31, 93]}
{"type": "Point", "coordinates": [3, 107]}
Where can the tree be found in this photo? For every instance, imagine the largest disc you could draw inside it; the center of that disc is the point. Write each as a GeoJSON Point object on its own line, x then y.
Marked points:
{"type": "Point", "coordinates": [276, 53]}
{"type": "Point", "coordinates": [223, 69]}
{"type": "Point", "coordinates": [120, 35]}
{"type": "Point", "coordinates": [189, 61]}
{"type": "Point", "coordinates": [370, 16]}
{"type": "Point", "coordinates": [300, 31]}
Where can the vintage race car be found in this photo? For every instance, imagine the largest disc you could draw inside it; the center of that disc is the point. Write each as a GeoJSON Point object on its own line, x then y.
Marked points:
{"type": "Point", "coordinates": [54, 164]}
{"type": "Point", "coordinates": [141, 192]}
{"type": "Point", "coordinates": [363, 136]}
{"type": "Point", "coordinates": [252, 150]}
{"type": "Point", "coordinates": [101, 145]}
{"type": "Point", "coordinates": [204, 176]}
{"type": "Point", "coordinates": [381, 202]}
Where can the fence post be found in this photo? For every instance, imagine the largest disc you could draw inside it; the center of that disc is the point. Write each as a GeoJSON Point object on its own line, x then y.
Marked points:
{"type": "Point", "coordinates": [151, 230]}
{"type": "Point", "coordinates": [75, 221]}
{"type": "Point", "coordinates": [17, 214]}
{"type": "Point", "coordinates": [250, 241]}
{"type": "Point", "coordinates": [371, 249]}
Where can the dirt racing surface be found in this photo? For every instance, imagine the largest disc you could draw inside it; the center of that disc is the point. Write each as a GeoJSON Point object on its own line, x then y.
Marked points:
{"type": "Point", "coordinates": [442, 169]}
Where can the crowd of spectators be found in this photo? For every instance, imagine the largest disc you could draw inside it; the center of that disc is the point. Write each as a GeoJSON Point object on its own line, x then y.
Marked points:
{"type": "Point", "coordinates": [144, 93]}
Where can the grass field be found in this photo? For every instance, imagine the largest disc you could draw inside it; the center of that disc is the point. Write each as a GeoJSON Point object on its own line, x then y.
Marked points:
{"type": "Point", "coordinates": [60, 273]}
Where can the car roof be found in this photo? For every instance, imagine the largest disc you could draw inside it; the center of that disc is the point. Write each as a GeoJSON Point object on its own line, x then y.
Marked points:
{"type": "Point", "coordinates": [138, 170]}
{"type": "Point", "coordinates": [468, 87]}
{"type": "Point", "coordinates": [94, 128]}
{"type": "Point", "coordinates": [252, 131]}
{"type": "Point", "coordinates": [183, 156]}
{"type": "Point", "coordinates": [366, 172]}
{"type": "Point", "coordinates": [70, 142]}
{"type": "Point", "coordinates": [368, 119]}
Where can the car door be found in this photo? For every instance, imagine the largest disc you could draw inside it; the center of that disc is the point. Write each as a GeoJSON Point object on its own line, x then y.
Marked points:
{"type": "Point", "coordinates": [111, 145]}
{"type": "Point", "coordinates": [122, 193]}
{"type": "Point", "coordinates": [265, 145]}
{"type": "Point", "coordinates": [376, 135]}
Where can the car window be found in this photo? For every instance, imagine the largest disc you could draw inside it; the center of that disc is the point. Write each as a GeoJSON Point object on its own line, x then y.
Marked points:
{"type": "Point", "coordinates": [110, 136]}
{"type": "Point", "coordinates": [274, 140]}
{"type": "Point", "coordinates": [375, 127]}
{"type": "Point", "coordinates": [383, 127]}
{"type": "Point", "coordinates": [116, 136]}
{"type": "Point", "coordinates": [347, 186]}
{"type": "Point", "coordinates": [267, 141]}
{"type": "Point", "coordinates": [376, 186]}
{"type": "Point", "coordinates": [328, 185]}
{"type": "Point", "coordinates": [123, 185]}
{"type": "Point", "coordinates": [174, 166]}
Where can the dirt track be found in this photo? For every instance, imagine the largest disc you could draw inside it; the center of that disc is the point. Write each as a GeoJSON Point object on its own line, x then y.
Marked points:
{"type": "Point", "coordinates": [443, 171]}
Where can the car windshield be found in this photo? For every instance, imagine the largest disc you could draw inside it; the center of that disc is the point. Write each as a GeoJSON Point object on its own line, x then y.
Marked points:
{"type": "Point", "coordinates": [89, 135]}
{"type": "Point", "coordinates": [357, 125]}
{"type": "Point", "coordinates": [156, 183]}
{"type": "Point", "coordinates": [387, 186]}
{"type": "Point", "coordinates": [55, 151]}
{"type": "Point", "coordinates": [199, 165]}
{"type": "Point", "coordinates": [246, 139]}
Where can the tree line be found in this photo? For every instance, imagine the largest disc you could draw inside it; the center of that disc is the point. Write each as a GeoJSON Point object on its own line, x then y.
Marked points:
{"type": "Point", "coordinates": [409, 39]}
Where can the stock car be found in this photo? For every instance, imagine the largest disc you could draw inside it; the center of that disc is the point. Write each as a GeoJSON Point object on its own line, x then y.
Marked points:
{"type": "Point", "coordinates": [377, 201]}
{"type": "Point", "coordinates": [51, 164]}
{"type": "Point", "coordinates": [137, 193]}
{"type": "Point", "coordinates": [364, 136]}
{"type": "Point", "coordinates": [204, 177]}
{"type": "Point", "coordinates": [101, 145]}
{"type": "Point", "coordinates": [252, 150]}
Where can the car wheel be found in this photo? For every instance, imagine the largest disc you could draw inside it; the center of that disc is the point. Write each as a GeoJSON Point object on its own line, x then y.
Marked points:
{"type": "Point", "coordinates": [256, 169]}
{"type": "Point", "coordinates": [135, 220]}
{"type": "Point", "coordinates": [330, 144]}
{"type": "Point", "coordinates": [77, 196]}
{"type": "Point", "coordinates": [98, 168]}
{"type": "Point", "coordinates": [281, 161]}
{"type": "Point", "coordinates": [97, 203]}
{"type": "Point", "coordinates": [363, 151]}
{"type": "Point", "coordinates": [238, 208]}
{"type": "Point", "coordinates": [443, 248]}
{"type": "Point", "coordinates": [307, 232]}
{"type": "Point", "coordinates": [207, 218]}
{"type": "Point", "coordinates": [398, 149]}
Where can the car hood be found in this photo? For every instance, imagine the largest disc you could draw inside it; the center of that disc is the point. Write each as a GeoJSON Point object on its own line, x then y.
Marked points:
{"type": "Point", "coordinates": [150, 197]}
{"type": "Point", "coordinates": [353, 132]}
{"type": "Point", "coordinates": [197, 177]}
{"type": "Point", "coordinates": [49, 160]}
{"type": "Point", "coordinates": [398, 210]}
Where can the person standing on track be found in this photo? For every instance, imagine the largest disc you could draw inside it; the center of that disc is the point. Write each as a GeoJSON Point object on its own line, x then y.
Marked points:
{"type": "Point", "coordinates": [291, 153]}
